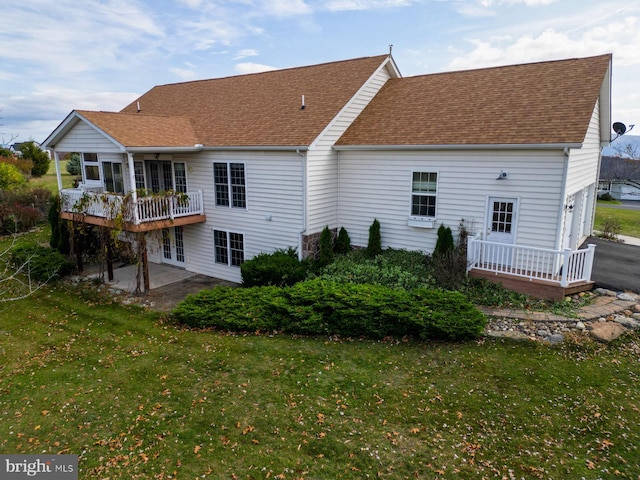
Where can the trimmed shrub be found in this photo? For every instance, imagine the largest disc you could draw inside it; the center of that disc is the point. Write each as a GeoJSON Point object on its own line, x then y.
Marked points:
{"type": "Point", "coordinates": [374, 244]}
{"type": "Point", "coordinates": [444, 244]}
{"type": "Point", "coordinates": [326, 247]}
{"type": "Point", "coordinates": [320, 307]}
{"type": "Point", "coordinates": [400, 269]}
{"type": "Point", "coordinates": [41, 263]}
{"type": "Point", "coordinates": [343, 242]}
{"type": "Point", "coordinates": [449, 316]}
{"type": "Point", "coordinates": [280, 268]}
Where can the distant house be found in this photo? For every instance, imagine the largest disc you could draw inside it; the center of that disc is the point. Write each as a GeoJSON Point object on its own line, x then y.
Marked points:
{"type": "Point", "coordinates": [620, 178]}
{"type": "Point", "coordinates": [266, 161]}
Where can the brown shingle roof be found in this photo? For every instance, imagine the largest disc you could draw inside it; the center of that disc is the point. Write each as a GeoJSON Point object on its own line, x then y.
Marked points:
{"type": "Point", "coordinates": [537, 103]}
{"type": "Point", "coordinates": [260, 109]}
{"type": "Point", "coordinates": [133, 130]}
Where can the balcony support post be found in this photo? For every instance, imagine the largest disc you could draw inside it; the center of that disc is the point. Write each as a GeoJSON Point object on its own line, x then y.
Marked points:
{"type": "Point", "coordinates": [134, 193]}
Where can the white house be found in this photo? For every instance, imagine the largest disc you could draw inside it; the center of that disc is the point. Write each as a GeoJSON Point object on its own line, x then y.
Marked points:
{"type": "Point", "coordinates": [266, 161]}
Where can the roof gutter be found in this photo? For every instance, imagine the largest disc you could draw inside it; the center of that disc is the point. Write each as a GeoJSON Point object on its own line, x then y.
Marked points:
{"type": "Point", "coordinates": [506, 146]}
{"type": "Point", "coordinates": [198, 147]}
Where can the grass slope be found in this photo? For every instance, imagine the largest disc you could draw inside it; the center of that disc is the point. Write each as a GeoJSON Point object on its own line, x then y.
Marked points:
{"type": "Point", "coordinates": [137, 397]}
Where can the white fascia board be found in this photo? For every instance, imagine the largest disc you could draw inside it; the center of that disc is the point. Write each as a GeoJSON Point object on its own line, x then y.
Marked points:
{"type": "Point", "coordinates": [515, 146]}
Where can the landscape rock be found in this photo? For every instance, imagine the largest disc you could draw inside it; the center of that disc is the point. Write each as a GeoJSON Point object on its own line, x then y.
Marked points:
{"type": "Point", "coordinates": [580, 326]}
{"type": "Point", "coordinates": [628, 297]}
{"type": "Point", "coordinates": [508, 334]}
{"type": "Point", "coordinates": [636, 316]}
{"type": "Point", "coordinates": [605, 292]}
{"type": "Point", "coordinates": [607, 331]}
{"type": "Point", "coordinates": [636, 307]}
{"type": "Point", "coordinates": [628, 322]}
{"type": "Point", "coordinates": [555, 338]}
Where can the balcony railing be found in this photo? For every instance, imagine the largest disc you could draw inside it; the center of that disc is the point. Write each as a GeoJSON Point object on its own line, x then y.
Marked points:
{"type": "Point", "coordinates": [563, 267]}
{"type": "Point", "coordinates": [145, 209]}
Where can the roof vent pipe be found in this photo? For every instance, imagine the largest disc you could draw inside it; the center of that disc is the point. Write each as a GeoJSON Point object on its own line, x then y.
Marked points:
{"type": "Point", "coordinates": [138, 106]}
{"type": "Point", "coordinates": [302, 107]}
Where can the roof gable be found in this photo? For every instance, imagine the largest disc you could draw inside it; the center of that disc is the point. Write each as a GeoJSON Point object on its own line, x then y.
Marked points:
{"type": "Point", "coordinates": [529, 104]}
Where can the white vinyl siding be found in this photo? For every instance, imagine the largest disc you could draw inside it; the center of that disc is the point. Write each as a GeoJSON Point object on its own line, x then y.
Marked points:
{"type": "Point", "coordinates": [322, 166]}
{"type": "Point", "coordinates": [272, 220]}
{"type": "Point", "coordinates": [85, 138]}
{"type": "Point", "coordinates": [584, 162]}
{"type": "Point", "coordinates": [377, 184]}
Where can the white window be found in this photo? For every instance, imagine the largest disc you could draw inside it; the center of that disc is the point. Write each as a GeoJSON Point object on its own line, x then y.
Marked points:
{"type": "Point", "coordinates": [230, 185]}
{"type": "Point", "coordinates": [91, 167]}
{"type": "Point", "coordinates": [424, 187]}
{"type": "Point", "coordinates": [229, 248]}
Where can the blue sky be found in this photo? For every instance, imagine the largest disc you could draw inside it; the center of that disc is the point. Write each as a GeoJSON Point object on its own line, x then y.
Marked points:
{"type": "Point", "coordinates": [56, 56]}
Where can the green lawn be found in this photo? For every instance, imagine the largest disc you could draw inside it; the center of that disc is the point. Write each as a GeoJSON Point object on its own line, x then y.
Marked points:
{"type": "Point", "coordinates": [50, 181]}
{"type": "Point", "coordinates": [138, 397]}
{"type": "Point", "coordinates": [629, 220]}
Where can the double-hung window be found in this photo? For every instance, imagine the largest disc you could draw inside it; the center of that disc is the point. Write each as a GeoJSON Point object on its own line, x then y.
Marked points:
{"type": "Point", "coordinates": [229, 248]}
{"type": "Point", "coordinates": [230, 185]}
{"type": "Point", "coordinates": [424, 189]}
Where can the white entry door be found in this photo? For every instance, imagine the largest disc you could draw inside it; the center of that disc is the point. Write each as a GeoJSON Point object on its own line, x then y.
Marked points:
{"type": "Point", "coordinates": [501, 228]}
{"type": "Point", "coordinates": [173, 246]}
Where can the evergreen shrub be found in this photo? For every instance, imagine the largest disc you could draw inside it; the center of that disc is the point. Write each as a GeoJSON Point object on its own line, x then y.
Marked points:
{"type": "Point", "coordinates": [343, 242]}
{"type": "Point", "coordinates": [374, 244]}
{"type": "Point", "coordinates": [40, 263]}
{"type": "Point", "coordinates": [320, 307]}
{"type": "Point", "coordinates": [280, 268]}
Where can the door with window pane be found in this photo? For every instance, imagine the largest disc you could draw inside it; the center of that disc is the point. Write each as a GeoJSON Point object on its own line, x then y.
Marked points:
{"type": "Point", "coordinates": [501, 228]}
{"type": "Point", "coordinates": [173, 246]}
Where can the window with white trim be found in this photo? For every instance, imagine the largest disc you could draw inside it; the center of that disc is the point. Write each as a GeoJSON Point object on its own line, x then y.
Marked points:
{"type": "Point", "coordinates": [229, 248]}
{"type": "Point", "coordinates": [230, 185]}
{"type": "Point", "coordinates": [113, 179]}
{"type": "Point", "coordinates": [424, 189]}
{"type": "Point", "coordinates": [91, 167]}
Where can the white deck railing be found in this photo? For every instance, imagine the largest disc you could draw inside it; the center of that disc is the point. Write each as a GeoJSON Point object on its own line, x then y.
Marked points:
{"type": "Point", "coordinates": [563, 267]}
{"type": "Point", "coordinates": [145, 209]}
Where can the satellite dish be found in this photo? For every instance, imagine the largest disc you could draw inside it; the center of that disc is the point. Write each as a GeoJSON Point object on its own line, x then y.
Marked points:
{"type": "Point", "coordinates": [619, 128]}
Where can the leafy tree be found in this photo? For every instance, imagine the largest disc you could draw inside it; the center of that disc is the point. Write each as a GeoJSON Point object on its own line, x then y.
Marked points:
{"type": "Point", "coordinates": [39, 157]}
{"type": "Point", "coordinates": [5, 152]}
{"type": "Point", "coordinates": [374, 245]}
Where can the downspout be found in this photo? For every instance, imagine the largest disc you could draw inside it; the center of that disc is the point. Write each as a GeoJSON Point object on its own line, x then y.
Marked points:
{"type": "Point", "coordinates": [132, 182]}
{"type": "Point", "coordinates": [304, 202]}
{"type": "Point", "coordinates": [563, 196]}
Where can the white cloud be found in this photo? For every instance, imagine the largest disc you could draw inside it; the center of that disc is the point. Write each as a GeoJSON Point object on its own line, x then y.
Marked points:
{"type": "Point", "coordinates": [286, 8]}
{"type": "Point", "coordinates": [247, 52]}
{"type": "Point", "coordinates": [249, 67]}
{"type": "Point", "coordinates": [344, 5]}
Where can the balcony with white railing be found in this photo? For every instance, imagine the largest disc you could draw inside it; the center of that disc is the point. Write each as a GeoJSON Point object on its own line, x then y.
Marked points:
{"type": "Point", "coordinates": [563, 268]}
{"type": "Point", "coordinates": [145, 213]}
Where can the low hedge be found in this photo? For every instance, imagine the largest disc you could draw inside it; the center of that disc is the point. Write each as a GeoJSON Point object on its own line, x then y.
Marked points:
{"type": "Point", "coordinates": [280, 268]}
{"type": "Point", "coordinates": [320, 307]}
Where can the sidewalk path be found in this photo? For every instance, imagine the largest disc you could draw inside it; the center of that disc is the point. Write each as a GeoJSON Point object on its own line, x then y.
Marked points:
{"type": "Point", "coordinates": [602, 307]}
